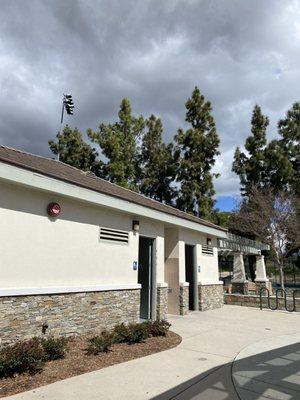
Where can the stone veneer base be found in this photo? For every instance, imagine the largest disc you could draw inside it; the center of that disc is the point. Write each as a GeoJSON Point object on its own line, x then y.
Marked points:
{"type": "Point", "coordinates": [184, 300]}
{"type": "Point", "coordinates": [240, 287]}
{"type": "Point", "coordinates": [22, 317]}
{"type": "Point", "coordinates": [210, 297]}
{"type": "Point", "coordinates": [162, 302]}
{"type": "Point", "coordinates": [254, 301]}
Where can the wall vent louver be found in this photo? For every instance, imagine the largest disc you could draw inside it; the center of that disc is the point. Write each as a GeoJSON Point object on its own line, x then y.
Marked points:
{"type": "Point", "coordinates": [207, 250]}
{"type": "Point", "coordinates": [114, 235]}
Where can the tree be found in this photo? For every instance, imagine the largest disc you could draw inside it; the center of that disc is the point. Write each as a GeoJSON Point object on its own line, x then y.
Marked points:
{"type": "Point", "coordinates": [118, 142]}
{"type": "Point", "coordinates": [289, 130]}
{"type": "Point", "coordinates": [279, 170]}
{"type": "Point", "coordinates": [157, 167]}
{"type": "Point", "coordinates": [270, 216]}
{"type": "Point", "coordinates": [251, 167]}
{"type": "Point", "coordinates": [221, 218]}
{"type": "Point", "coordinates": [198, 148]}
{"type": "Point", "coordinates": [74, 151]}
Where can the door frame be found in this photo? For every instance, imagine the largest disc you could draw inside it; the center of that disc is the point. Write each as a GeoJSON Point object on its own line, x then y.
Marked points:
{"type": "Point", "coordinates": [195, 275]}
{"type": "Point", "coordinates": [152, 281]}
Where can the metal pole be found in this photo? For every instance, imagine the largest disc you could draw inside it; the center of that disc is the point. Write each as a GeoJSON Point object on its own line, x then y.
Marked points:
{"type": "Point", "coordinates": [61, 122]}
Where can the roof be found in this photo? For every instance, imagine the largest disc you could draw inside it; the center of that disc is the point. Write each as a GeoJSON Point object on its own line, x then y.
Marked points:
{"type": "Point", "coordinates": [64, 172]}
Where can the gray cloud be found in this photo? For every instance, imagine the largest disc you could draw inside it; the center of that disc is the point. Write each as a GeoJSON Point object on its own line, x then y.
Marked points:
{"type": "Point", "coordinates": [238, 52]}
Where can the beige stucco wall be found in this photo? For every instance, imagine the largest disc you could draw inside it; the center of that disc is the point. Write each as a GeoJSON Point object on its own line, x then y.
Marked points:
{"type": "Point", "coordinates": [37, 251]}
{"type": "Point", "coordinates": [208, 264]}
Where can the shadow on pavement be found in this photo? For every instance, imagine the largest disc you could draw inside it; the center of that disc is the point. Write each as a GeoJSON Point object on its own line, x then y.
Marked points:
{"type": "Point", "coordinates": [272, 374]}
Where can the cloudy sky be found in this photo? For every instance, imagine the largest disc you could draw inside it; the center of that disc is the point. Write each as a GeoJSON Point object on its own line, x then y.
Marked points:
{"type": "Point", "coordinates": [239, 52]}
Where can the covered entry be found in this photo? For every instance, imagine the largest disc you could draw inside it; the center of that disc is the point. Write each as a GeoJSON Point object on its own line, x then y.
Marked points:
{"type": "Point", "coordinates": [145, 276]}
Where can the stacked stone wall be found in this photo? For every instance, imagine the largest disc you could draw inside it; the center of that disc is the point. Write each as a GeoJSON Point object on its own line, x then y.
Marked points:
{"type": "Point", "coordinates": [254, 301]}
{"type": "Point", "coordinates": [210, 297]}
{"type": "Point", "coordinates": [23, 317]}
{"type": "Point", "coordinates": [162, 303]}
{"type": "Point", "coordinates": [184, 300]}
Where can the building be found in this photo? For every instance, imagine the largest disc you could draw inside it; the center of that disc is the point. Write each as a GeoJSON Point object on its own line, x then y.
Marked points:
{"type": "Point", "coordinates": [79, 253]}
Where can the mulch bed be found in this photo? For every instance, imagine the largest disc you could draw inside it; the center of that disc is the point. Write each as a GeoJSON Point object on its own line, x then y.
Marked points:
{"type": "Point", "coordinates": [77, 362]}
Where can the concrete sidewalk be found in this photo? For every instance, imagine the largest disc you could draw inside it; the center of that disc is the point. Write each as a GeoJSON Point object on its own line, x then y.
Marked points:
{"type": "Point", "coordinates": [269, 369]}
{"type": "Point", "coordinates": [199, 368]}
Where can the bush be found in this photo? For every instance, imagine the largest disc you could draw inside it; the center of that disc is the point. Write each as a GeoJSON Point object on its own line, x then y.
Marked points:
{"type": "Point", "coordinates": [26, 356]}
{"type": "Point", "coordinates": [131, 333]}
{"type": "Point", "coordinates": [158, 327]}
{"type": "Point", "coordinates": [100, 344]}
{"type": "Point", "coordinates": [55, 348]}
{"type": "Point", "coordinates": [137, 333]}
{"type": "Point", "coordinates": [121, 333]}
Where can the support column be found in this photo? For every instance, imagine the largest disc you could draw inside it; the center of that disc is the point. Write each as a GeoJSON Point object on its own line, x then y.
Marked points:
{"type": "Point", "coordinates": [195, 277]}
{"type": "Point", "coordinates": [159, 289]}
{"type": "Point", "coordinates": [239, 281]}
{"type": "Point", "coordinates": [260, 272]}
{"type": "Point", "coordinates": [184, 286]}
{"type": "Point", "coordinates": [261, 279]}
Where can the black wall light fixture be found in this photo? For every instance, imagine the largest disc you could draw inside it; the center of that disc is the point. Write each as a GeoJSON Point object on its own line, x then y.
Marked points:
{"type": "Point", "coordinates": [135, 226]}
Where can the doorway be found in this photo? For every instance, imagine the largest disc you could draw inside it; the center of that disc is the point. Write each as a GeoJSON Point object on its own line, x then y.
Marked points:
{"type": "Point", "coordinates": [145, 276]}
{"type": "Point", "coordinates": [189, 274]}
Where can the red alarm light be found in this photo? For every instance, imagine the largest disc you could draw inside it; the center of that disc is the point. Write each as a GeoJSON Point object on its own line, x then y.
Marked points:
{"type": "Point", "coordinates": [53, 209]}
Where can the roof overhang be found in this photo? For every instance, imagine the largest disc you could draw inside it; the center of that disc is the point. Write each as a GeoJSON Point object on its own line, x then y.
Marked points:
{"type": "Point", "coordinates": [44, 183]}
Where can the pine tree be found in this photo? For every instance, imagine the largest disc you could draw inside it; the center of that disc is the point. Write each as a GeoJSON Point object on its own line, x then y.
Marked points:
{"type": "Point", "coordinates": [198, 148]}
{"type": "Point", "coordinates": [73, 150]}
{"type": "Point", "coordinates": [119, 144]}
{"type": "Point", "coordinates": [157, 164]}
{"type": "Point", "coordinates": [289, 130]}
{"type": "Point", "coordinates": [279, 170]}
{"type": "Point", "coordinates": [251, 167]}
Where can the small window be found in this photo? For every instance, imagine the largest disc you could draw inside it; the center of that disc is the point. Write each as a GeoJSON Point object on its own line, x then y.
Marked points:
{"type": "Point", "coordinates": [207, 250]}
{"type": "Point", "coordinates": [113, 235]}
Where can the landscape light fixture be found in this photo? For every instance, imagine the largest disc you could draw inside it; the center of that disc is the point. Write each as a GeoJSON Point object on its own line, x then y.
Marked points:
{"type": "Point", "coordinates": [68, 105]}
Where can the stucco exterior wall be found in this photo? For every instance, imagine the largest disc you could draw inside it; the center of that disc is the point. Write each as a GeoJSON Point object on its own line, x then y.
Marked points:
{"type": "Point", "coordinates": [38, 251]}
{"type": "Point", "coordinates": [208, 264]}
{"type": "Point", "coordinates": [209, 272]}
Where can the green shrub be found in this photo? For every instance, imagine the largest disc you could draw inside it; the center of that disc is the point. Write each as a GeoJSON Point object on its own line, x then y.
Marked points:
{"type": "Point", "coordinates": [55, 348]}
{"type": "Point", "coordinates": [100, 344]}
{"type": "Point", "coordinates": [131, 333]}
{"type": "Point", "coordinates": [121, 333]}
{"type": "Point", "coordinates": [26, 356]}
{"type": "Point", "coordinates": [137, 333]}
{"type": "Point", "coordinates": [158, 327]}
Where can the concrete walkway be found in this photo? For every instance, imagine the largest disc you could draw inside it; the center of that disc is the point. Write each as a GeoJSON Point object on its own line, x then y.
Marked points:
{"type": "Point", "coordinates": [199, 368]}
{"type": "Point", "coordinates": [269, 369]}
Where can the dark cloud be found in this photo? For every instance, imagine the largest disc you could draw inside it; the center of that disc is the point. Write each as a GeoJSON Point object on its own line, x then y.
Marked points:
{"type": "Point", "coordinates": [238, 52]}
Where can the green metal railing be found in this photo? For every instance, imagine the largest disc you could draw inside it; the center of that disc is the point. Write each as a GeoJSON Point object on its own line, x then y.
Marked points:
{"type": "Point", "coordinates": [240, 243]}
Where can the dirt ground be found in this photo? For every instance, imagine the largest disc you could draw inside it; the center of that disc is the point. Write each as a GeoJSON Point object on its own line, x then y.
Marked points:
{"type": "Point", "coordinates": [78, 362]}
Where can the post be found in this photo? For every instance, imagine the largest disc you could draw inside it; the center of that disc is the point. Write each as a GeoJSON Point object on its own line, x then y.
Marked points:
{"type": "Point", "coordinates": [260, 271]}
{"type": "Point", "coordinates": [261, 279]}
{"type": "Point", "coordinates": [61, 122]}
{"type": "Point", "coordinates": [239, 281]}
{"type": "Point", "coordinates": [195, 278]}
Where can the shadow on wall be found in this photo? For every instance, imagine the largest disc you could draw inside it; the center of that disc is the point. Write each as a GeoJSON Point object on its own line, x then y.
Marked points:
{"type": "Point", "coordinates": [270, 375]}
